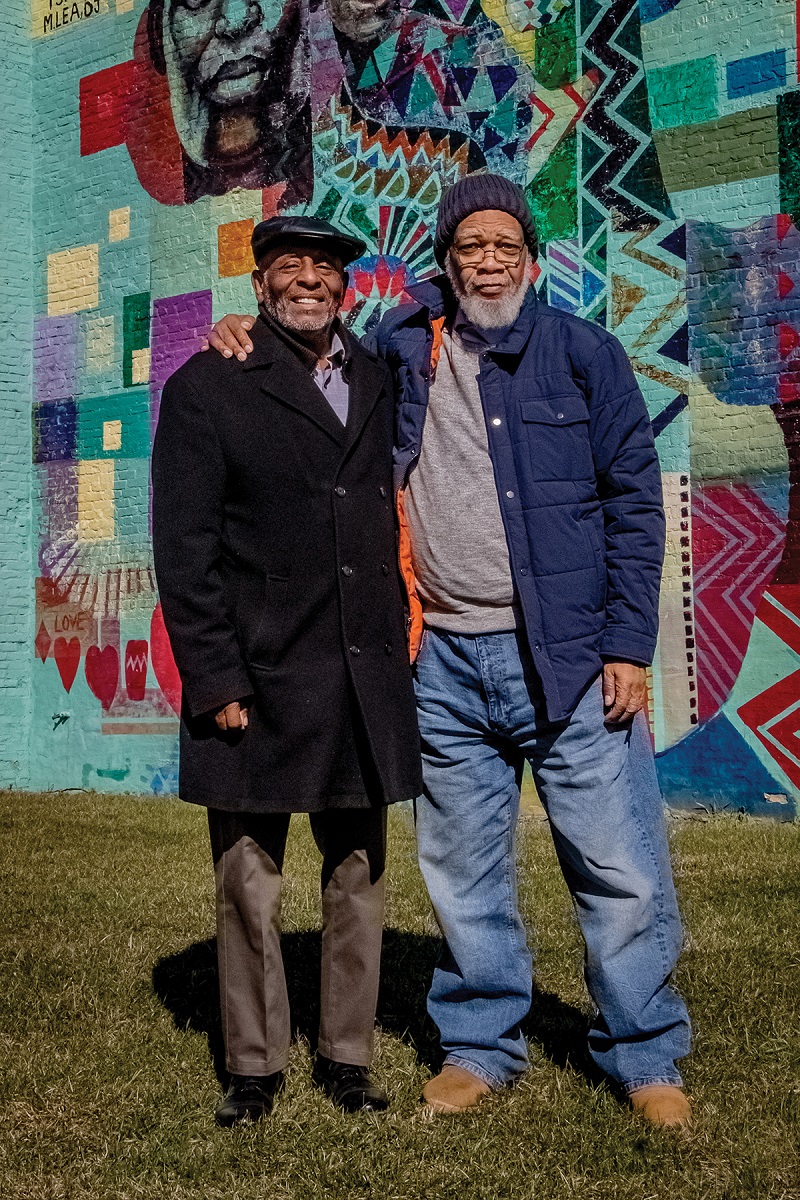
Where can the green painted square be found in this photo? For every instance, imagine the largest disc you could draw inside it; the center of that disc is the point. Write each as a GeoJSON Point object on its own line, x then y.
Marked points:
{"type": "Point", "coordinates": [135, 331]}
{"type": "Point", "coordinates": [683, 94]}
{"type": "Point", "coordinates": [131, 409]}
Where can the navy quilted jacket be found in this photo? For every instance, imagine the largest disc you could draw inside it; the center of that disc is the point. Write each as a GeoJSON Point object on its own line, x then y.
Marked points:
{"type": "Point", "coordinates": [577, 477]}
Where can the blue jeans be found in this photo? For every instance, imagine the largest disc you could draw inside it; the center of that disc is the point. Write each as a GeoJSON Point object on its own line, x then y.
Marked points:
{"type": "Point", "coordinates": [481, 714]}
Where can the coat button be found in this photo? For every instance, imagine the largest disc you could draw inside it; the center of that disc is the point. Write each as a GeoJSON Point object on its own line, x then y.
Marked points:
{"type": "Point", "coordinates": [388, 647]}
{"type": "Point", "coordinates": [340, 491]}
{"type": "Point", "coordinates": [347, 571]}
{"type": "Point", "coordinates": [385, 568]}
{"type": "Point", "coordinates": [560, 416]}
{"type": "Point", "coordinates": [382, 491]}
{"type": "Point", "coordinates": [496, 421]}
{"type": "Point", "coordinates": [537, 646]}
{"type": "Point", "coordinates": [510, 495]}
{"type": "Point", "coordinates": [354, 650]}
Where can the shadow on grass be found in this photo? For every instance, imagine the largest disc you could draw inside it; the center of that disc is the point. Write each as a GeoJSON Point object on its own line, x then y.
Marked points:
{"type": "Point", "coordinates": [187, 985]}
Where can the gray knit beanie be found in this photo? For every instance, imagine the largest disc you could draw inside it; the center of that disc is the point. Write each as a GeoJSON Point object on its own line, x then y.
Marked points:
{"type": "Point", "coordinates": [477, 193]}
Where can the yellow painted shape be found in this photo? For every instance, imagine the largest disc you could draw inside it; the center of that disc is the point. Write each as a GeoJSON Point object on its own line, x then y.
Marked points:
{"type": "Point", "coordinates": [96, 500]}
{"type": "Point", "coordinates": [119, 224]}
{"type": "Point", "coordinates": [99, 344]}
{"type": "Point", "coordinates": [72, 280]}
{"type": "Point", "coordinates": [124, 6]}
{"type": "Point", "coordinates": [505, 14]}
{"type": "Point", "coordinates": [140, 365]}
{"type": "Point", "coordinates": [731, 440]}
{"type": "Point", "coordinates": [112, 435]}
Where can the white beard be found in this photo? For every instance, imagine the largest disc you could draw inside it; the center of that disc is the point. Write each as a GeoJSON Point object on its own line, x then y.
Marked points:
{"type": "Point", "coordinates": [490, 314]}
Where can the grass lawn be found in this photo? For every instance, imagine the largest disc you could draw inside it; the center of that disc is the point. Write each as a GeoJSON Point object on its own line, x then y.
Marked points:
{"type": "Point", "coordinates": [109, 1029]}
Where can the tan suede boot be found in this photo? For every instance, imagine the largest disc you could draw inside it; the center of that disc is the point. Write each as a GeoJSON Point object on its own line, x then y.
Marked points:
{"type": "Point", "coordinates": [454, 1090]}
{"type": "Point", "coordinates": [662, 1104]}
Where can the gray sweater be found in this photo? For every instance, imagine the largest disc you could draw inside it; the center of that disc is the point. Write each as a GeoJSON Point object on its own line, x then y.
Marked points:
{"type": "Point", "coordinates": [458, 542]}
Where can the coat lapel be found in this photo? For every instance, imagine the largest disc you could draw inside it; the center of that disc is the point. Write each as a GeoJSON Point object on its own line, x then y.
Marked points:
{"type": "Point", "coordinates": [366, 380]}
{"type": "Point", "coordinates": [288, 381]}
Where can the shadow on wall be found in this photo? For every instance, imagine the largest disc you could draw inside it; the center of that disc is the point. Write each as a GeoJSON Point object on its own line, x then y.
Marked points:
{"type": "Point", "coordinates": [187, 985]}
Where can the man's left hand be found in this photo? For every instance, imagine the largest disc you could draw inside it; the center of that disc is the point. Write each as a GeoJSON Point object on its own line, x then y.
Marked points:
{"type": "Point", "coordinates": [624, 689]}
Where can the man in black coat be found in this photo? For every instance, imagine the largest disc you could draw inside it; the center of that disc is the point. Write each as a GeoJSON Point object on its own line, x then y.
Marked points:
{"type": "Point", "coordinates": [274, 544]}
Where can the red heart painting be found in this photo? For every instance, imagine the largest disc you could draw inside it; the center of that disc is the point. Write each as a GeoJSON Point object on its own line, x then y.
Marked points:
{"type": "Point", "coordinates": [68, 656]}
{"type": "Point", "coordinates": [102, 673]}
{"type": "Point", "coordinates": [136, 669]}
{"type": "Point", "coordinates": [163, 663]}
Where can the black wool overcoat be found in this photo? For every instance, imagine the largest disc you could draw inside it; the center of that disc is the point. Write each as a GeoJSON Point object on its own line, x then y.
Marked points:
{"type": "Point", "coordinates": [275, 553]}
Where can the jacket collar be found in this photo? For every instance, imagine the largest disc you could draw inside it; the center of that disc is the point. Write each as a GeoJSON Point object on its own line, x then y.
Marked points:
{"type": "Point", "coordinates": [435, 296]}
{"type": "Point", "coordinates": [290, 380]}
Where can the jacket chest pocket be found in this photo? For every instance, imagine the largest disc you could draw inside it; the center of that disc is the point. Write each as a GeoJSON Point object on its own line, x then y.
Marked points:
{"type": "Point", "coordinates": [556, 429]}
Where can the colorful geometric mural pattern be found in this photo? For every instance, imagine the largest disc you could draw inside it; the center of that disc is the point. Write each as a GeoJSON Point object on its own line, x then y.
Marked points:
{"type": "Point", "coordinates": [661, 162]}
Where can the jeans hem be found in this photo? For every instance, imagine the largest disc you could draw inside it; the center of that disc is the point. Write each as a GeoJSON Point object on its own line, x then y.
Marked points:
{"type": "Point", "coordinates": [466, 1064]}
{"type": "Point", "coordinates": [634, 1085]}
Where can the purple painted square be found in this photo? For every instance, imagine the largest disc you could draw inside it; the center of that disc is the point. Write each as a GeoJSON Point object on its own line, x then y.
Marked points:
{"type": "Point", "coordinates": [55, 357]}
{"type": "Point", "coordinates": [179, 325]}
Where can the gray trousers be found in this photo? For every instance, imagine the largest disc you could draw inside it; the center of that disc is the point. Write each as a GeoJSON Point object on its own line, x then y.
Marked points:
{"type": "Point", "coordinates": [248, 852]}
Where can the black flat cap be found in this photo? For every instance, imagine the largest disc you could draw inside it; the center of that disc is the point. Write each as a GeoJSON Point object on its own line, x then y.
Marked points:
{"type": "Point", "coordinates": [281, 230]}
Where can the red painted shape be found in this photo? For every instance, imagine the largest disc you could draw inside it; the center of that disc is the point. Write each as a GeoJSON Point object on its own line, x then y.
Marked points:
{"type": "Point", "coordinates": [737, 541]}
{"type": "Point", "coordinates": [42, 642]}
{"type": "Point", "coordinates": [362, 281]}
{"type": "Point", "coordinates": [788, 339]}
{"type": "Point", "coordinates": [383, 276]}
{"type": "Point", "coordinates": [163, 661]}
{"type": "Point", "coordinates": [271, 200]}
{"type": "Point", "coordinates": [68, 656]}
{"type": "Point", "coordinates": [136, 669]}
{"type": "Point", "coordinates": [785, 284]}
{"type": "Point", "coordinates": [776, 712]}
{"type": "Point", "coordinates": [783, 223]}
{"type": "Point", "coordinates": [102, 673]}
{"type": "Point", "coordinates": [787, 629]}
{"type": "Point", "coordinates": [103, 105]}
{"type": "Point", "coordinates": [153, 142]}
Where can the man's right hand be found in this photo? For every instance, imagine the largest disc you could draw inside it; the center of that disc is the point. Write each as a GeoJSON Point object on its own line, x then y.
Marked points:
{"type": "Point", "coordinates": [230, 336]}
{"type": "Point", "coordinates": [232, 717]}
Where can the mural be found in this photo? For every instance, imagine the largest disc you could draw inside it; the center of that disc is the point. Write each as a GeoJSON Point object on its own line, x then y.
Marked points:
{"type": "Point", "coordinates": [657, 142]}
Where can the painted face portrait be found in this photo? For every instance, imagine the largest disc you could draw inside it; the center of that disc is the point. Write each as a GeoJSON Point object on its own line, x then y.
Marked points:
{"type": "Point", "coordinates": [238, 82]}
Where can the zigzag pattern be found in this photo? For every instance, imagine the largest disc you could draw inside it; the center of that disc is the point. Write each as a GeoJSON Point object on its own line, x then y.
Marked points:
{"type": "Point", "coordinates": [736, 546]}
{"type": "Point", "coordinates": [621, 176]}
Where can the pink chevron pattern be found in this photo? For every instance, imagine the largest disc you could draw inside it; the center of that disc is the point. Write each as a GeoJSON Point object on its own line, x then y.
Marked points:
{"type": "Point", "coordinates": [737, 541]}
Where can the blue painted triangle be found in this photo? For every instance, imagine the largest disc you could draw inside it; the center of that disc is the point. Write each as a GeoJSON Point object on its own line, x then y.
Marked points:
{"type": "Point", "coordinates": [503, 78]}
{"type": "Point", "coordinates": [675, 242]}
{"type": "Point", "coordinates": [465, 78]}
{"type": "Point", "coordinates": [677, 347]}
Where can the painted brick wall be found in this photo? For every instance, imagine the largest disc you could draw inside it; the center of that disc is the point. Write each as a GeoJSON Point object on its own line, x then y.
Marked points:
{"type": "Point", "coordinates": [16, 318]}
{"type": "Point", "coordinates": [658, 145]}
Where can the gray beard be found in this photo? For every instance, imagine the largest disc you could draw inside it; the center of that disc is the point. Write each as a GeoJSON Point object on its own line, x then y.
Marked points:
{"type": "Point", "coordinates": [489, 314]}
{"type": "Point", "coordinates": [313, 323]}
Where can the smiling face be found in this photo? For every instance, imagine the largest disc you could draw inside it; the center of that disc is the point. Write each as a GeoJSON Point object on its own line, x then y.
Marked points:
{"type": "Point", "coordinates": [489, 268]}
{"type": "Point", "coordinates": [301, 285]}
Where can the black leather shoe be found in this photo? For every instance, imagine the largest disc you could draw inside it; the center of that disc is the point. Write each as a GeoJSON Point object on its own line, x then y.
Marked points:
{"type": "Point", "coordinates": [348, 1086]}
{"type": "Point", "coordinates": [248, 1098]}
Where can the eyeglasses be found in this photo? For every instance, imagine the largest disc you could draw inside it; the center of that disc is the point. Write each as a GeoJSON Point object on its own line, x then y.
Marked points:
{"type": "Point", "coordinates": [472, 253]}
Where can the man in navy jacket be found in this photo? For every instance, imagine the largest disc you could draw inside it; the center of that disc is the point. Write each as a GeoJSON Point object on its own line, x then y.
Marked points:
{"type": "Point", "coordinates": [532, 534]}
